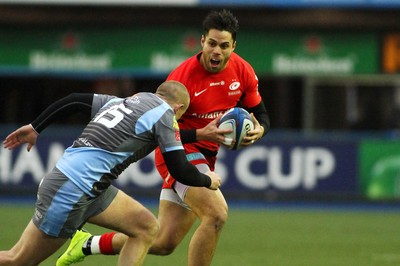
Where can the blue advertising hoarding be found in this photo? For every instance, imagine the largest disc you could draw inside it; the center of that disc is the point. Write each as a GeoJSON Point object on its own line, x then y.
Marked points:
{"type": "Point", "coordinates": [291, 166]}
{"type": "Point", "coordinates": [279, 165]}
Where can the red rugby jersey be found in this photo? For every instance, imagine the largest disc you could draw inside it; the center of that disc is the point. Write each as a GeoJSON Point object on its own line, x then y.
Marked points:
{"type": "Point", "coordinates": [214, 93]}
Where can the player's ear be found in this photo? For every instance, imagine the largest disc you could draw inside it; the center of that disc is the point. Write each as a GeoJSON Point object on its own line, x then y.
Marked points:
{"type": "Point", "coordinates": [203, 39]}
{"type": "Point", "coordinates": [179, 110]}
{"type": "Point", "coordinates": [233, 45]}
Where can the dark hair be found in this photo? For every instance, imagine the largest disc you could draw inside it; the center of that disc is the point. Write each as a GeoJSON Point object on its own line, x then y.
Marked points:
{"type": "Point", "coordinates": [221, 20]}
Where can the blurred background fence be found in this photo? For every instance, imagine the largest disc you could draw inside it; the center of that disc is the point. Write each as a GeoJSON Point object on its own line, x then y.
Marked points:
{"type": "Point", "coordinates": [328, 73]}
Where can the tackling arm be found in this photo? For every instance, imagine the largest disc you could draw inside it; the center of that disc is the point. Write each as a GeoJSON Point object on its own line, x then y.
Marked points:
{"type": "Point", "coordinates": [71, 104]}
{"type": "Point", "coordinates": [186, 173]}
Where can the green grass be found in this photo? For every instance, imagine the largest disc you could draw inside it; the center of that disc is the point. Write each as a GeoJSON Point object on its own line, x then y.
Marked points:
{"type": "Point", "coordinates": [268, 237]}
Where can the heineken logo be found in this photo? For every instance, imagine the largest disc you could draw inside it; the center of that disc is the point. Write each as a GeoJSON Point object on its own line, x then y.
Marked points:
{"type": "Point", "coordinates": [286, 64]}
{"type": "Point", "coordinates": [43, 60]}
{"type": "Point", "coordinates": [69, 55]}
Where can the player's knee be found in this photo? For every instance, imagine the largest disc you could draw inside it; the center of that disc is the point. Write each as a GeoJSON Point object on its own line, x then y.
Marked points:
{"type": "Point", "coordinates": [217, 218]}
{"type": "Point", "coordinates": [143, 226]}
{"type": "Point", "coordinates": [153, 229]}
{"type": "Point", "coordinates": [220, 220]}
{"type": "Point", "coordinates": [163, 248]}
{"type": "Point", "coordinates": [166, 250]}
{"type": "Point", "coordinates": [150, 228]}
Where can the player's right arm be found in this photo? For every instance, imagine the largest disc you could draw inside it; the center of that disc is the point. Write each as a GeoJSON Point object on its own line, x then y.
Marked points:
{"type": "Point", "coordinates": [186, 173]}
{"type": "Point", "coordinates": [71, 104]}
{"type": "Point", "coordinates": [24, 134]}
{"type": "Point", "coordinates": [210, 132]}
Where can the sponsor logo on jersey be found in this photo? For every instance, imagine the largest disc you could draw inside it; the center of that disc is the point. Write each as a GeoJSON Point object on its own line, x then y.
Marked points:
{"type": "Point", "coordinates": [85, 142]}
{"type": "Point", "coordinates": [133, 99]}
{"type": "Point", "coordinates": [178, 135]}
{"type": "Point", "coordinates": [197, 93]}
{"type": "Point", "coordinates": [212, 115]}
{"type": "Point", "coordinates": [177, 132]}
{"type": "Point", "coordinates": [221, 83]}
{"type": "Point", "coordinates": [175, 125]}
{"type": "Point", "coordinates": [38, 215]}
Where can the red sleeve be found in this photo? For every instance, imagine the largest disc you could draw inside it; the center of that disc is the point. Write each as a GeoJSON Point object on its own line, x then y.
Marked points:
{"type": "Point", "coordinates": [252, 96]}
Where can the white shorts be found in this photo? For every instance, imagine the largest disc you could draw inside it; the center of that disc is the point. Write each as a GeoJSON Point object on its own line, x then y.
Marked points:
{"type": "Point", "coordinates": [177, 195]}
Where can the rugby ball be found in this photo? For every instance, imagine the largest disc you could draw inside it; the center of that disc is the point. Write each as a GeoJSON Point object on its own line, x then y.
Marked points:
{"type": "Point", "coordinates": [240, 122]}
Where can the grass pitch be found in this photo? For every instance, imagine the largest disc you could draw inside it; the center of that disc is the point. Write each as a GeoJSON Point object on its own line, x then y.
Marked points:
{"type": "Point", "coordinates": [277, 236]}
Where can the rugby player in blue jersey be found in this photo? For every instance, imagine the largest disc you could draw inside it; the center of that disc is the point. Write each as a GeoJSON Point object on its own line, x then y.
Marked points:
{"type": "Point", "coordinates": [79, 189]}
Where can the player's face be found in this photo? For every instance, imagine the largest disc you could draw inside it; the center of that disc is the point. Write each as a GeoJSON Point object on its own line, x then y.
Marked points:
{"type": "Point", "coordinates": [217, 49]}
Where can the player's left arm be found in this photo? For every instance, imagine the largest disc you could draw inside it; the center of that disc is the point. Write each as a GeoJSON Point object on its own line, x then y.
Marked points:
{"type": "Point", "coordinates": [254, 104]}
{"type": "Point", "coordinates": [261, 124]}
{"type": "Point", "coordinates": [186, 173]}
{"type": "Point", "coordinates": [260, 118]}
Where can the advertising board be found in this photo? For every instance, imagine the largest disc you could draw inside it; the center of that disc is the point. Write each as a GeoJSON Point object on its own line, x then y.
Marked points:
{"type": "Point", "coordinates": [295, 165]}
{"type": "Point", "coordinates": [134, 51]}
{"type": "Point", "coordinates": [380, 169]}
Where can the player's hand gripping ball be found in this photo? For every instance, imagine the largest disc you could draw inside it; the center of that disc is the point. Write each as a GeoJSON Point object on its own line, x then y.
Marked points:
{"type": "Point", "coordinates": [240, 122]}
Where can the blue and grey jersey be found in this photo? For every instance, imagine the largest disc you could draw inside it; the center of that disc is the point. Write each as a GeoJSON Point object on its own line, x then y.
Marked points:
{"type": "Point", "coordinates": [121, 132]}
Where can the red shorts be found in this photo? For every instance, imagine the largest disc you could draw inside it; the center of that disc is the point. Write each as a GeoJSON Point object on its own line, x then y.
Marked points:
{"type": "Point", "coordinates": [193, 155]}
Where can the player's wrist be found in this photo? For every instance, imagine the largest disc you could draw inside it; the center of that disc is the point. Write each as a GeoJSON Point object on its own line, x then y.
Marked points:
{"type": "Point", "coordinates": [207, 181]}
{"type": "Point", "coordinates": [198, 134]}
{"type": "Point", "coordinates": [34, 130]}
{"type": "Point", "coordinates": [188, 135]}
{"type": "Point", "coordinates": [263, 130]}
